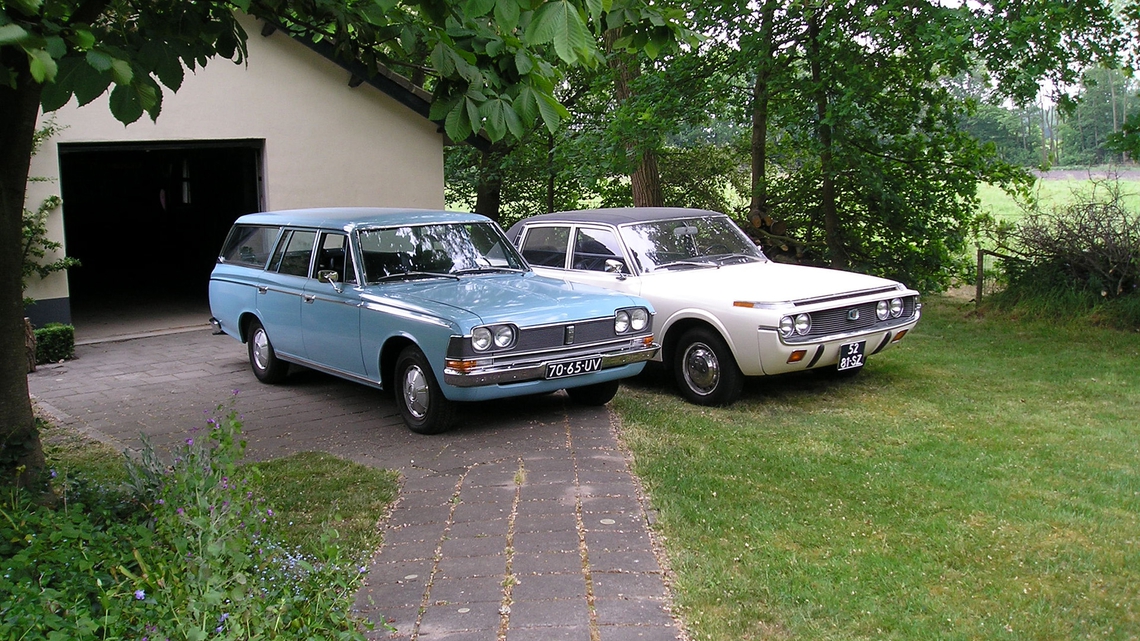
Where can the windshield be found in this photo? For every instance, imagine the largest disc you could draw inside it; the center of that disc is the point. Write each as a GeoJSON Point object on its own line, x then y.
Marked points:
{"type": "Point", "coordinates": [426, 250]}
{"type": "Point", "coordinates": [712, 240]}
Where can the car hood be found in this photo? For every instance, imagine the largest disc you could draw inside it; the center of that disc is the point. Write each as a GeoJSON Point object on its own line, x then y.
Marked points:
{"type": "Point", "coordinates": [523, 299]}
{"type": "Point", "coordinates": [766, 282]}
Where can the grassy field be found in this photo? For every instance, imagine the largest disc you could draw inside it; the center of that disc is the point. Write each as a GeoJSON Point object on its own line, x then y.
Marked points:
{"type": "Point", "coordinates": [1055, 188]}
{"type": "Point", "coordinates": [981, 481]}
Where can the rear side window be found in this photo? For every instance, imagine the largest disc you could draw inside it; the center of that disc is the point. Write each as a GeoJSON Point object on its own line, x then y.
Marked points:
{"type": "Point", "coordinates": [294, 252]}
{"type": "Point", "coordinates": [249, 245]}
{"type": "Point", "coordinates": [546, 246]}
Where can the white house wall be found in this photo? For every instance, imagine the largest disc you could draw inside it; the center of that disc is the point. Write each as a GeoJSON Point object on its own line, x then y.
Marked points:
{"type": "Point", "coordinates": [326, 144]}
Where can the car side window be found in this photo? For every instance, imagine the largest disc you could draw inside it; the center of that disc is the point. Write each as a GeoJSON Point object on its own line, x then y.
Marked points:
{"type": "Point", "coordinates": [292, 256]}
{"type": "Point", "coordinates": [333, 254]}
{"type": "Point", "coordinates": [593, 248]}
{"type": "Point", "coordinates": [546, 246]}
{"type": "Point", "coordinates": [249, 245]}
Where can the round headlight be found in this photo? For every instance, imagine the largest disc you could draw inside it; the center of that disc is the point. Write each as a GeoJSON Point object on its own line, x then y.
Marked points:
{"type": "Point", "coordinates": [481, 339]}
{"type": "Point", "coordinates": [621, 321]}
{"type": "Point", "coordinates": [638, 319]}
{"type": "Point", "coordinates": [504, 336]}
{"type": "Point", "coordinates": [803, 324]}
{"type": "Point", "coordinates": [882, 310]}
{"type": "Point", "coordinates": [787, 326]}
{"type": "Point", "coordinates": [896, 307]}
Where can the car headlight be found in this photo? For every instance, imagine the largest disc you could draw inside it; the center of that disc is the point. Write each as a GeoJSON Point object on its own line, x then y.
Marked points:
{"type": "Point", "coordinates": [787, 326]}
{"type": "Point", "coordinates": [896, 307]}
{"type": "Point", "coordinates": [504, 336]}
{"type": "Point", "coordinates": [481, 339]}
{"type": "Point", "coordinates": [638, 318]}
{"type": "Point", "coordinates": [882, 310]}
{"type": "Point", "coordinates": [803, 324]}
{"type": "Point", "coordinates": [621, 321]}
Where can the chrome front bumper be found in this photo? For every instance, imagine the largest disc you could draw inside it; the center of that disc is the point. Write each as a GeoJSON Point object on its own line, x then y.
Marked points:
{"type": "Point", "coordinates": [502, 374]}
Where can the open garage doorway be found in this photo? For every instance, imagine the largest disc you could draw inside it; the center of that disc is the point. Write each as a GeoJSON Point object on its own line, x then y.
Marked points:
{"type": "Point", "coordinates": [146, 221]}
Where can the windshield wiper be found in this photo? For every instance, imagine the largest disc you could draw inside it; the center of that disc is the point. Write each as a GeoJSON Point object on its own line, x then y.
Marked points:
{"type": "Point", "coordinates": [486, 270]}
{"type": "Point", "coordinates": [744, 258]}
{"type": "Point", "coordinates": [414, 274]}
{"type": "Point", "coordinates": [687, 263]}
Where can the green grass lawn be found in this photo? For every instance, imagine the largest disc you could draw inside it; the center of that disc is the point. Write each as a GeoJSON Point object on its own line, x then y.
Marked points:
{"type": "Point", "coordinates": [1056, 189]}
{"type": "Point", "coordinates": [980, 481]}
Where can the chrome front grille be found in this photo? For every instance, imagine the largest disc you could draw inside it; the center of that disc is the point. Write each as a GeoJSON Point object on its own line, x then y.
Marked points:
{"type": "Point", "coordinates": [839, 321]}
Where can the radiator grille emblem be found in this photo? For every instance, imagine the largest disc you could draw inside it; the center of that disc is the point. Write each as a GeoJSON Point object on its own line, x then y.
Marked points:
{"type": "Point", "coordinates": [853, 314]}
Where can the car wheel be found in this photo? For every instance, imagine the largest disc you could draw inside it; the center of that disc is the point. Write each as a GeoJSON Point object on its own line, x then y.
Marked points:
{"type": "Point", "coordinates": [705, 369]}
{"type": "Point", "coordinates": [596, 394]}
{"type": "Point", "coordinates": [421, 402]}
{"type": "Point", "coordinates": [262, 359]}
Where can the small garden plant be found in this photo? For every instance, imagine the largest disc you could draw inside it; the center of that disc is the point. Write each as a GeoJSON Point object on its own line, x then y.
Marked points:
{"type": "Point", "coordinates": [186, 550]}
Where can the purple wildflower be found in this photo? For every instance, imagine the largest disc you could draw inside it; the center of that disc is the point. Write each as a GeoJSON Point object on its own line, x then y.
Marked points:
{"type": "Point", "coordinates": [140, 595]}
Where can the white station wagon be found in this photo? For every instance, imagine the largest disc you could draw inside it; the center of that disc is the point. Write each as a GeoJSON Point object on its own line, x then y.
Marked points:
{"type": "Point", "coordinates": [724, 310]}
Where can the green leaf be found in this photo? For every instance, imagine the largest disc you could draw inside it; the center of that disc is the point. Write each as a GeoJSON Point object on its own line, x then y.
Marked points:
{"type": "Point", "coordinates": [559, 22]}
{"type": "Point", "coordinates": [374, 14]}
{"type": "Point", "coordinates": [495, 120]}
{"type": "Point", "coordinates": [11, 34]}
{"type": "Point", "coordinates": [83, 39]}
{"type": "Point", "coordinates": [473, 115]}
{"type": "Point", "coordinates": [27, 7]}
{"type": "Point", "coordinates": [121, 72]}
{"type": "Point", "coordinates": [99, 60]}
{"type": "Point", "coordinates": [552, 112]}
{"type": "Point", "coordinates": [457, 126]}
{"type": "Point", "coordinates": [125, 105]}
{"type": "Point", "coordinates": [441, 108]}
{"type": "Point", "coordinates": [507, 15]}
{"type": "Point", "coordinates": [526, 105]}
{"type": "Point", "coordinates": [514, 123]}
{"type": "Point", "coordinates": [41, 65]}
{"type": "Point", "coordinates": [476, 8]}
{"type": "Point", "coordinates": [523, 62]}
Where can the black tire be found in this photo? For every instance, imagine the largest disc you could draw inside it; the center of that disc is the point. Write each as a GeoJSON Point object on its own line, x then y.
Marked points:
{"type": "Point", "coordinates": [705, 369]}
{"type": "Point", "coordinates": [594, 395]}
{"type": "Point", "coordinates": [262, 358]}
{"type": "Point", "coordinates": [422, 405]}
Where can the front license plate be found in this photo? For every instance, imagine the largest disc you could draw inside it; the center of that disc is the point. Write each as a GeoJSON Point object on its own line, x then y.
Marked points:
{"type": "Point", "coordinates": [573, 368]}
{"type": "Point", "coordinates": [852, 355]}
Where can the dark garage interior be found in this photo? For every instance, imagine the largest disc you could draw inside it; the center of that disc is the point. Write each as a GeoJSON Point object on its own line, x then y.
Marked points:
{"type": "Point", "coordinates": [146, 221]}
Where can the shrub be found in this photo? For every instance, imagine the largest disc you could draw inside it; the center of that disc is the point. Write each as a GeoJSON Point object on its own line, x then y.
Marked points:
{"type": "Point", "coordinates": [190, 562]}
{"type": "Point", "coordinates": [55, 342]}
{"type": "Point", "coordinates": [1078, 259]}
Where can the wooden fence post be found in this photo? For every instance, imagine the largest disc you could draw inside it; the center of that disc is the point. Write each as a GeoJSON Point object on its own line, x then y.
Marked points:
{"type": "Point", "coordinates": [980, 279]}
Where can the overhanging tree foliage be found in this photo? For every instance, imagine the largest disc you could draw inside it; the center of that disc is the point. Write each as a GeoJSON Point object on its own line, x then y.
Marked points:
{"type": "Point", "coordinates": [487, 61]}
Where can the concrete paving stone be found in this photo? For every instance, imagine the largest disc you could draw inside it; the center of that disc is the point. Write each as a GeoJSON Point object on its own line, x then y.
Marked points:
{"type": "Point", "coordinates": [546, 522]}
{"type": "Point", "coordinates": [460, 635]}
{"type": "Point", "coordinates": [613, 482]}
{"type": "Point", "coordinates": [409, 551]}
{"type": "Point", "coordinates": [627, 585]}
{"type": "Point", "coordinates": [491, 475]}
{"type": "Point", "coordinates": [638, 633]}
{"type": "Point", "coordinates": [561, 562]}
{"type": "Point", "coordinates": [559, 613]}
{"type": "Point", "coordinates": [618, 540]}
{"type": "Point", "coordinates": [412, 533]}
{"type": "Point", "coordinates": [402, 619]}
{"type": "Point", "coordinates": [610, 521]}
{"type": "Point", "coordinates": [554, 477]}
{"type": "Point", "coordinates": [455, 567]}
{"type": "Point", "coordinates": [603, 460]}
{"type": "Point", "coordinates": [647, 612]}
{"type": "Point", "coordinates": [478, 529]}
{"type": "Point", "coordinates": [481, 546]}
{"type": "Point", "coordinates": [488, 494]}
{"type": "Point", "coordinates": [568, 633]}
{"type": "Point", "coordinates": [528, 508]}
{"type": "Point", "coordinates": [535, 542]}
{"type": "Point", "coordinates": [432, 483]}
{"type": "Point", "coordinates": [421, 499]}
{"type": "Point", "coordinates": [467, 590]}
{"type": "Point", "coordinates": [638, 560]}
{"type": "Point", "coordinates": [480, 512]}
{"type": "Point", "coordinates": [420, 515]}
{"type": "Point", "coordinates": [401, 571]}
{"type": "Point", "coordinates": [391, 596]}
{"type": "Point", "coordinates": [627, 503]}
{"type": "Point", "coordinates": [545, 587]}
{"type": "Point", "coordinates": [567, 494]}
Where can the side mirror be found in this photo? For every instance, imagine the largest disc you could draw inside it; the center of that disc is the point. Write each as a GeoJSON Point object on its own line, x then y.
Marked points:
{"type": "Point", "coordinates": [615, 267]}
{"type": "Point", "coordinates": [331, 277]}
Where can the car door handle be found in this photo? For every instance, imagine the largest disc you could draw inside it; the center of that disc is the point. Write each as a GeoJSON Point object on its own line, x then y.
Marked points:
{"type": "Point", "coordinates": [309, 298]}
{"type": "Point", "coordinates": [262, 289]}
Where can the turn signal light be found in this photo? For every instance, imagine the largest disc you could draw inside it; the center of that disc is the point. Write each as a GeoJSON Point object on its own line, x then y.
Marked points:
{"type": "Point", "coordinates": [898, 337]}
{"type": "Point", "coordinates": [797, 356]}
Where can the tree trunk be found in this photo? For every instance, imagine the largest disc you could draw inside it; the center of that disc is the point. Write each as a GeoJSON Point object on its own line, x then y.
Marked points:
{"type": "Point", "coordinates": [758, 211]}
{"type": "Point", "coordinates": [645, 179]}
{"type": "Point", "coordinates": [489, 190]}
{"type": "Point", "coordinates": [21, 454]}
{"type": "Point", "coordinates": [832, 227]}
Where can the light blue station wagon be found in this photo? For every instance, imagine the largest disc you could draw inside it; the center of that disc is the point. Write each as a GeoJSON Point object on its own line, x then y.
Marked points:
{"type": "Point", "coordinates": [437, 306]}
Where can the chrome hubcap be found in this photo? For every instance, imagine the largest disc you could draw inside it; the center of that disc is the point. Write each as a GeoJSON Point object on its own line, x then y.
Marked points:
{"type": "Point", "coordinates": [702, 370]}
{"type": "Point", "coordinates": [417, 395]}
{"type": "Point", "coordinates": [261, 349]}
